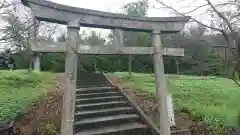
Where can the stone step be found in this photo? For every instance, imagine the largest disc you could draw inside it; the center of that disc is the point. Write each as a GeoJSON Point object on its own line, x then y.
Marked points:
{"type": "Point", "coordinates": [95, 90]}
{"type": "Point", "coordinates": [124, 129]}
{"type": "Point", "coordinates": [103, 112]}
{"type": "Point", "coordinates": [92, 81]}
{"type": "Point", "coordinates": [91, 85]}
{"type": "Point", "coordinates": [98, 122]}
{"type": "Point", "coordinates": [91, 78]}
{"type": "Point", "coordinates": [99, 99]}
{"type": "Point", "coordinates": [89, 74]}
{"type": "Point", "coordinates": [104, 105]}
{"type": "Point", "coordinates": [101, 94]}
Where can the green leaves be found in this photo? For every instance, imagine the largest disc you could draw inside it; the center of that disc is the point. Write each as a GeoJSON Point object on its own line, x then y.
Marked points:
{"type": "Point", "coordinates": [18, 89]}
{"type": "Point", "coordinates": [212, 99]}
{"type": "Point", "coordinates": [137, 9]}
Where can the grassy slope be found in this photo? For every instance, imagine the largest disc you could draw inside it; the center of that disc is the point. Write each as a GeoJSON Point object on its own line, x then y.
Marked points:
{"type": "Point", "coordinates": [20, 88]}
{"type": "Point", "coordinates": [215, 100]}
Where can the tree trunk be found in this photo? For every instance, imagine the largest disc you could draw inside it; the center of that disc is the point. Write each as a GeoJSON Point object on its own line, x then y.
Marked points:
{"type": "Point", "coordinates": [30, 67]}
{"type": "Point", "coordinates": [237, 67]}
{"type": "Point", "coordinates": [177, 66]}
{"type": "Point", "coordinates": [95, 63]}
{"type": "Point", "coordinates": [226, 50]}
{"type": "Point", "coordinates": [130, 59]}
{"type": "Point", "coordinates": [238, 53]}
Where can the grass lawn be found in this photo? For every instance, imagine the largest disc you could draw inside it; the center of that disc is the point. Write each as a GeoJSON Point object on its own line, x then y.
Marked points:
{"type": "Point", "coordinates": [18, 89]}
{"type": "Point", "coordinates": [211, 99]}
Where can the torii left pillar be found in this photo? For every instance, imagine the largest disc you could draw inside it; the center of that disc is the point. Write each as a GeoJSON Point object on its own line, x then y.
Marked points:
{"type": "Point", "coordinates": [69, 97]}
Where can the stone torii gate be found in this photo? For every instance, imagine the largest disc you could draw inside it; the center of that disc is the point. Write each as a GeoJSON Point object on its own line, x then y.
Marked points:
{"type": "Point", "coordinates": [75, 17]}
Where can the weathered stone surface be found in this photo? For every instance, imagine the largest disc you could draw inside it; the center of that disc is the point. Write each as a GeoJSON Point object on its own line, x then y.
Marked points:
{"type": "Point", "coordinates": [45, 46]}
{"type": "Point", "coordinates": [57, 13]}
{"type": "Point", "coordinates": [74, 17]}
{"type": "Point", "coordinates": [118, 41]}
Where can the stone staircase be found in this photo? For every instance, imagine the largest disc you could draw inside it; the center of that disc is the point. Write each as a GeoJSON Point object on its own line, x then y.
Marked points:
{"type": "Point", "coordinates": [102, 109]}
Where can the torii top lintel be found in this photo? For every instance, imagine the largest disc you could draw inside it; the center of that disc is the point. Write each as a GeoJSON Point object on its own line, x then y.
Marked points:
{"type": "Point", "coordinates": [62, 14]}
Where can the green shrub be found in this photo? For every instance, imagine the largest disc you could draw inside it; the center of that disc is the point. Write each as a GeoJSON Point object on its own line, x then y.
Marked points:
{"type": "Point", "coordinates": [20, 88]}
{"type": "Point", "coordinates": [214, 100]}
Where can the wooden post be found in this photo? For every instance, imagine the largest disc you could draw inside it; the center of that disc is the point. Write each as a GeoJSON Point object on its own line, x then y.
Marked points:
{"type": "Point", "coordinates": [71, 76]}
{"type": "Point", "coordinates": [161, 87]}
{"type": "Point", "coordinates": [37, 55]}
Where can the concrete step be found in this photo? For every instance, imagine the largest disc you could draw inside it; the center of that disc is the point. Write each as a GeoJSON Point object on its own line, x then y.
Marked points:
{"type": "Point", "coordinates": [104, 105]}
{"type": "Point", "coordinates": [103, 112]}
{"type": "Point", "coordinates": [95, 90]}
{"type": "Point", "coordinates": [91, 85]}
{"type": "Point", "coordinates": [89, 74]}
{"type": "Point", "coordinates": [101, 94]}
{"type": "Point", "coordinates": [91, 81]}
{"type": "Point", "coordinates": [98, 122]}
{"type": "Point", "coordinates": [124, 129]}
{"type": "Point", "coordinates": [91, 78]}
{"type": "Point", "coordinates": [99, 99]}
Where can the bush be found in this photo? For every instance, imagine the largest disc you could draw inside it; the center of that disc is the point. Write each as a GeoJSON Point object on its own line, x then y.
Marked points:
{"type": "Point", "coordinates": [19, 89]}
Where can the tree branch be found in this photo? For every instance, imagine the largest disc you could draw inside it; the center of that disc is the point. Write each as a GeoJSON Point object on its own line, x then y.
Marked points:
{"type": "Point", "coordinates": [196, 9]}
{"type": "Point", "coordinates": [9, 37]}
{"type": "Point", "coordinates": [217, 29]}
{"type": "Point", "coordinates": [226, 36]}
{"type": "Point", "coordinates": [221, 16]}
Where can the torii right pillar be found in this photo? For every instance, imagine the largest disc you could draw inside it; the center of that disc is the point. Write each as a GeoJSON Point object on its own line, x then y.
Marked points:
{"type": "Point", "coordinates": [161, 88]}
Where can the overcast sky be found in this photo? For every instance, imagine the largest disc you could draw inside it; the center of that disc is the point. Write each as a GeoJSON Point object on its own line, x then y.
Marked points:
{"type": "Point", "coordinates": [155, 10]}
{"type": "Point", "coordinates": [115, 6]}
{"type": "Point", "coordinates": [103, 5]}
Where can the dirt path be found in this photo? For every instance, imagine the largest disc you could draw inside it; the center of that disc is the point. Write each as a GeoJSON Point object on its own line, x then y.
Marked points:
{"type": "Point", "coordinates": [46, 113]}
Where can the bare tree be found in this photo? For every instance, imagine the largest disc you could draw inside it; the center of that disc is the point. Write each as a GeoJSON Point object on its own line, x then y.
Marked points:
{"type": "Point", "coordinates": [7, 10]}
{"type": "Point", "coordinates": [18, 29]}
{"type": "Point", "coordinates": [228, 23]}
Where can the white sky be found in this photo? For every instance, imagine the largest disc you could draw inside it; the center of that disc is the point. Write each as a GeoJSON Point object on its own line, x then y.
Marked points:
{"type": "Point", "coordinates": [116, 5]}
{"type": "Point", "coordinates": [103, 5]}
